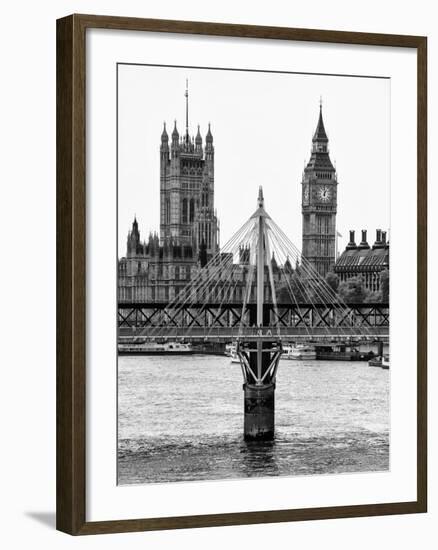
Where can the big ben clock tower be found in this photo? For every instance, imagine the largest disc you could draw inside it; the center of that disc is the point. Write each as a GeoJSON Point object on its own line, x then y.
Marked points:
{"type": "Point", "coordinates": [319, 202]}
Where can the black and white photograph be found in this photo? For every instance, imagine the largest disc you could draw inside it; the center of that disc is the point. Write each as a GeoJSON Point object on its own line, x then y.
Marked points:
{"type": "Point", "coordinates": [217, 282]}
{"type": "Point", "coordinates": [253, 246]}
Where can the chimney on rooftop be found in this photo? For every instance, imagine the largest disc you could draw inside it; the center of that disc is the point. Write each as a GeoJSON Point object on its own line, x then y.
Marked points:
{"type": "Point", "coordinates": [364, 244]}
{"type": "Point", "coordinates": [352, 244]}
{"type": "Point", "coordinates": [378, 243]}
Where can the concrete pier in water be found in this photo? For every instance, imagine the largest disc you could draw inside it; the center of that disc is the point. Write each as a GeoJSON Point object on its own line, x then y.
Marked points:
{"type": "Point", "coordinates": [259, 412]}
{"type": "Point", "coordinates": [259, 389]}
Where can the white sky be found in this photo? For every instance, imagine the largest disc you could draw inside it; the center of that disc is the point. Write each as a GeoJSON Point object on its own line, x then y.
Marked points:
{"type": "Point", "coordinates": [262, 126]}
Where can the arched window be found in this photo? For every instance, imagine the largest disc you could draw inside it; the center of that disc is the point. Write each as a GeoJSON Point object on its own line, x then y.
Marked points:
{"type": "Point", "coordinates": [167, 211]}
{"type": "Point", "coordinates": [184, 211]}
{"type": "Point", "coordinates": [192, 209]}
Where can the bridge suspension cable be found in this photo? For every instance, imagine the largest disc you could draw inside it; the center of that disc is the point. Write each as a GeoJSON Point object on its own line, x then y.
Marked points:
{"type": "Point", "coordinates": [259, 265]}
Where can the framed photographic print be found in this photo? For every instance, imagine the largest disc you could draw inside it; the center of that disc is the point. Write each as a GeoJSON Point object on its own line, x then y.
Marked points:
{"type": "Point", "coordinates": [241, 274]}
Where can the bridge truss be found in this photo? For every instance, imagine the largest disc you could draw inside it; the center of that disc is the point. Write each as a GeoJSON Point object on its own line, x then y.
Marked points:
{"type": "Point", "coordinates": [219, 320]}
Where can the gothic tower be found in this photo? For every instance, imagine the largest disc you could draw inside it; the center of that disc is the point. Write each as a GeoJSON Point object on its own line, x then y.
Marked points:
{"type": "Point", "coordinates": [318, 204]}
{"type": "Point", "coordinates": [187, 215]}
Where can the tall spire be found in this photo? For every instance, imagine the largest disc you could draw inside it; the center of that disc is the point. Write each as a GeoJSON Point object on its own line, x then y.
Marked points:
{"type": "Point", "coordinates": [187, 109]}
{"type": "Point", "coordinates": [320, 133]}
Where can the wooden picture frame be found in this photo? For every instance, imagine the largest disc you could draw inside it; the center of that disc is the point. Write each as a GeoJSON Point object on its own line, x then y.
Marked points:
{"type": "Point", "coordinates": [71, 273]}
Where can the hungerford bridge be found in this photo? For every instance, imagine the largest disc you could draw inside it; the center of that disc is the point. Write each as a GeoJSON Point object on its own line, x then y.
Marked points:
{"type": "Point", "coordinates": [259, 324]}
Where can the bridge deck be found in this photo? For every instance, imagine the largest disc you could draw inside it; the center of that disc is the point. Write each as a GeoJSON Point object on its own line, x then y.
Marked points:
{"type": "Point", "coordinates": [265, 333]}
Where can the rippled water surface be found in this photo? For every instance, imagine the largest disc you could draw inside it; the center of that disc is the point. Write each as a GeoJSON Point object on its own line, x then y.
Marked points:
{"type": "Point", "coordinates": [181, 419]}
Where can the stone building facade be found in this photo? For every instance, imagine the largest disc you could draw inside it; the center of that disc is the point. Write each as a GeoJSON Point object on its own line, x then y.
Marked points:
{"type": "Point", "coordinates": [187, 215]}
{"type": "Point", "coordinates": [319, 204]}
{"type": "Point", "coordinates": [364, 260]}
{"type": "Point", "coordinates": [152, 272]}
{"type": "Point", "coordinates": [158, 268]}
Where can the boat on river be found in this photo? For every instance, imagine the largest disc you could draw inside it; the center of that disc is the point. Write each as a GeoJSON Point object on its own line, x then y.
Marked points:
{"type": "Point", "coordinates": [298, 352]}
{"type": "Point", "coordinates": [341, 352]}
{"type": "Point", "coordinates": [155, 348]}
{"type": "Point", "coordinates": [230, 349]}
{"type": "Point", "coordinates": [375, 362]}
{"type": "Point", "coordinates": [231, 352]}
{"type": "Point", "coordinates": [382, 362]}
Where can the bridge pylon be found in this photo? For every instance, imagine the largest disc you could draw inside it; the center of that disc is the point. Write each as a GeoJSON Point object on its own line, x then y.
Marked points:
{"type": "Point", "coordinates": [260, 356]}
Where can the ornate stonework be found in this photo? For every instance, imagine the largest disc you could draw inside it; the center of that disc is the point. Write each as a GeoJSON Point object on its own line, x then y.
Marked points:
{"type": "Point", "coordinates": [319, 204]}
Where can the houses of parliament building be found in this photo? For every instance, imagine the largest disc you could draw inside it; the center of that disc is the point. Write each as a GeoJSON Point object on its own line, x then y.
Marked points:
{"type": "Point", "coordinates": [158, 268]}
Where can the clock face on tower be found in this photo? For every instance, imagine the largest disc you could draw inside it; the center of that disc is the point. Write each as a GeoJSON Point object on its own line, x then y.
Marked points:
{"type": "Point", "coordinates": [324, 193]}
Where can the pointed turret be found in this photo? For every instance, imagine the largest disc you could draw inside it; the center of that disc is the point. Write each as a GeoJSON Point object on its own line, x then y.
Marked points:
{"type": "Point", "coordinates": [164, 135]}
{"type": "Point", "coordinates": [175, 142]}
{"type": "Point", "coordinates": [175, 135]}
{"type": "Point", "coordinates": [198, 140]}
{"type": "Point", "coordinates": [209, 136]}
{"type": "Point", "coordinates": [164, 149]}
{"type": "Point", "coordinates": [209, 149]}
{"type": "Point", "coordinates": [133, 238]}
{"type": "Point", "coordinates": [320, 159]}
{"type": "Point", "coordinates": [274, 262]}
{"type": "Point", "coordinates": [288, 266]}
{"type": "Point", "coordinates": [320, 135]}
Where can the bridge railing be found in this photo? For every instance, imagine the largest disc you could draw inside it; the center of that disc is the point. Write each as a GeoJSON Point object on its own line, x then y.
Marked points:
{"type": "Point", "coordinates": [159, 316]}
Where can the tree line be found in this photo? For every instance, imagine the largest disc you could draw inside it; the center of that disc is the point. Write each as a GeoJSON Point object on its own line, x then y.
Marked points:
{"type": "Point", "coordinates": [301, 289]}
{"type": "Point", "coordinates": [354, 290]}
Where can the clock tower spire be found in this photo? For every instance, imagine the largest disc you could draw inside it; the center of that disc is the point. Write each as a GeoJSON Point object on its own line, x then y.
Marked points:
{"type": "Point", "coordinates": [319, 203]}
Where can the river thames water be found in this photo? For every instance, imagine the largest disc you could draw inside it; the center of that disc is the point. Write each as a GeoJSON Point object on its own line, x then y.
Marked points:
{"type": "Point", "coordinates": [181, 419]}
